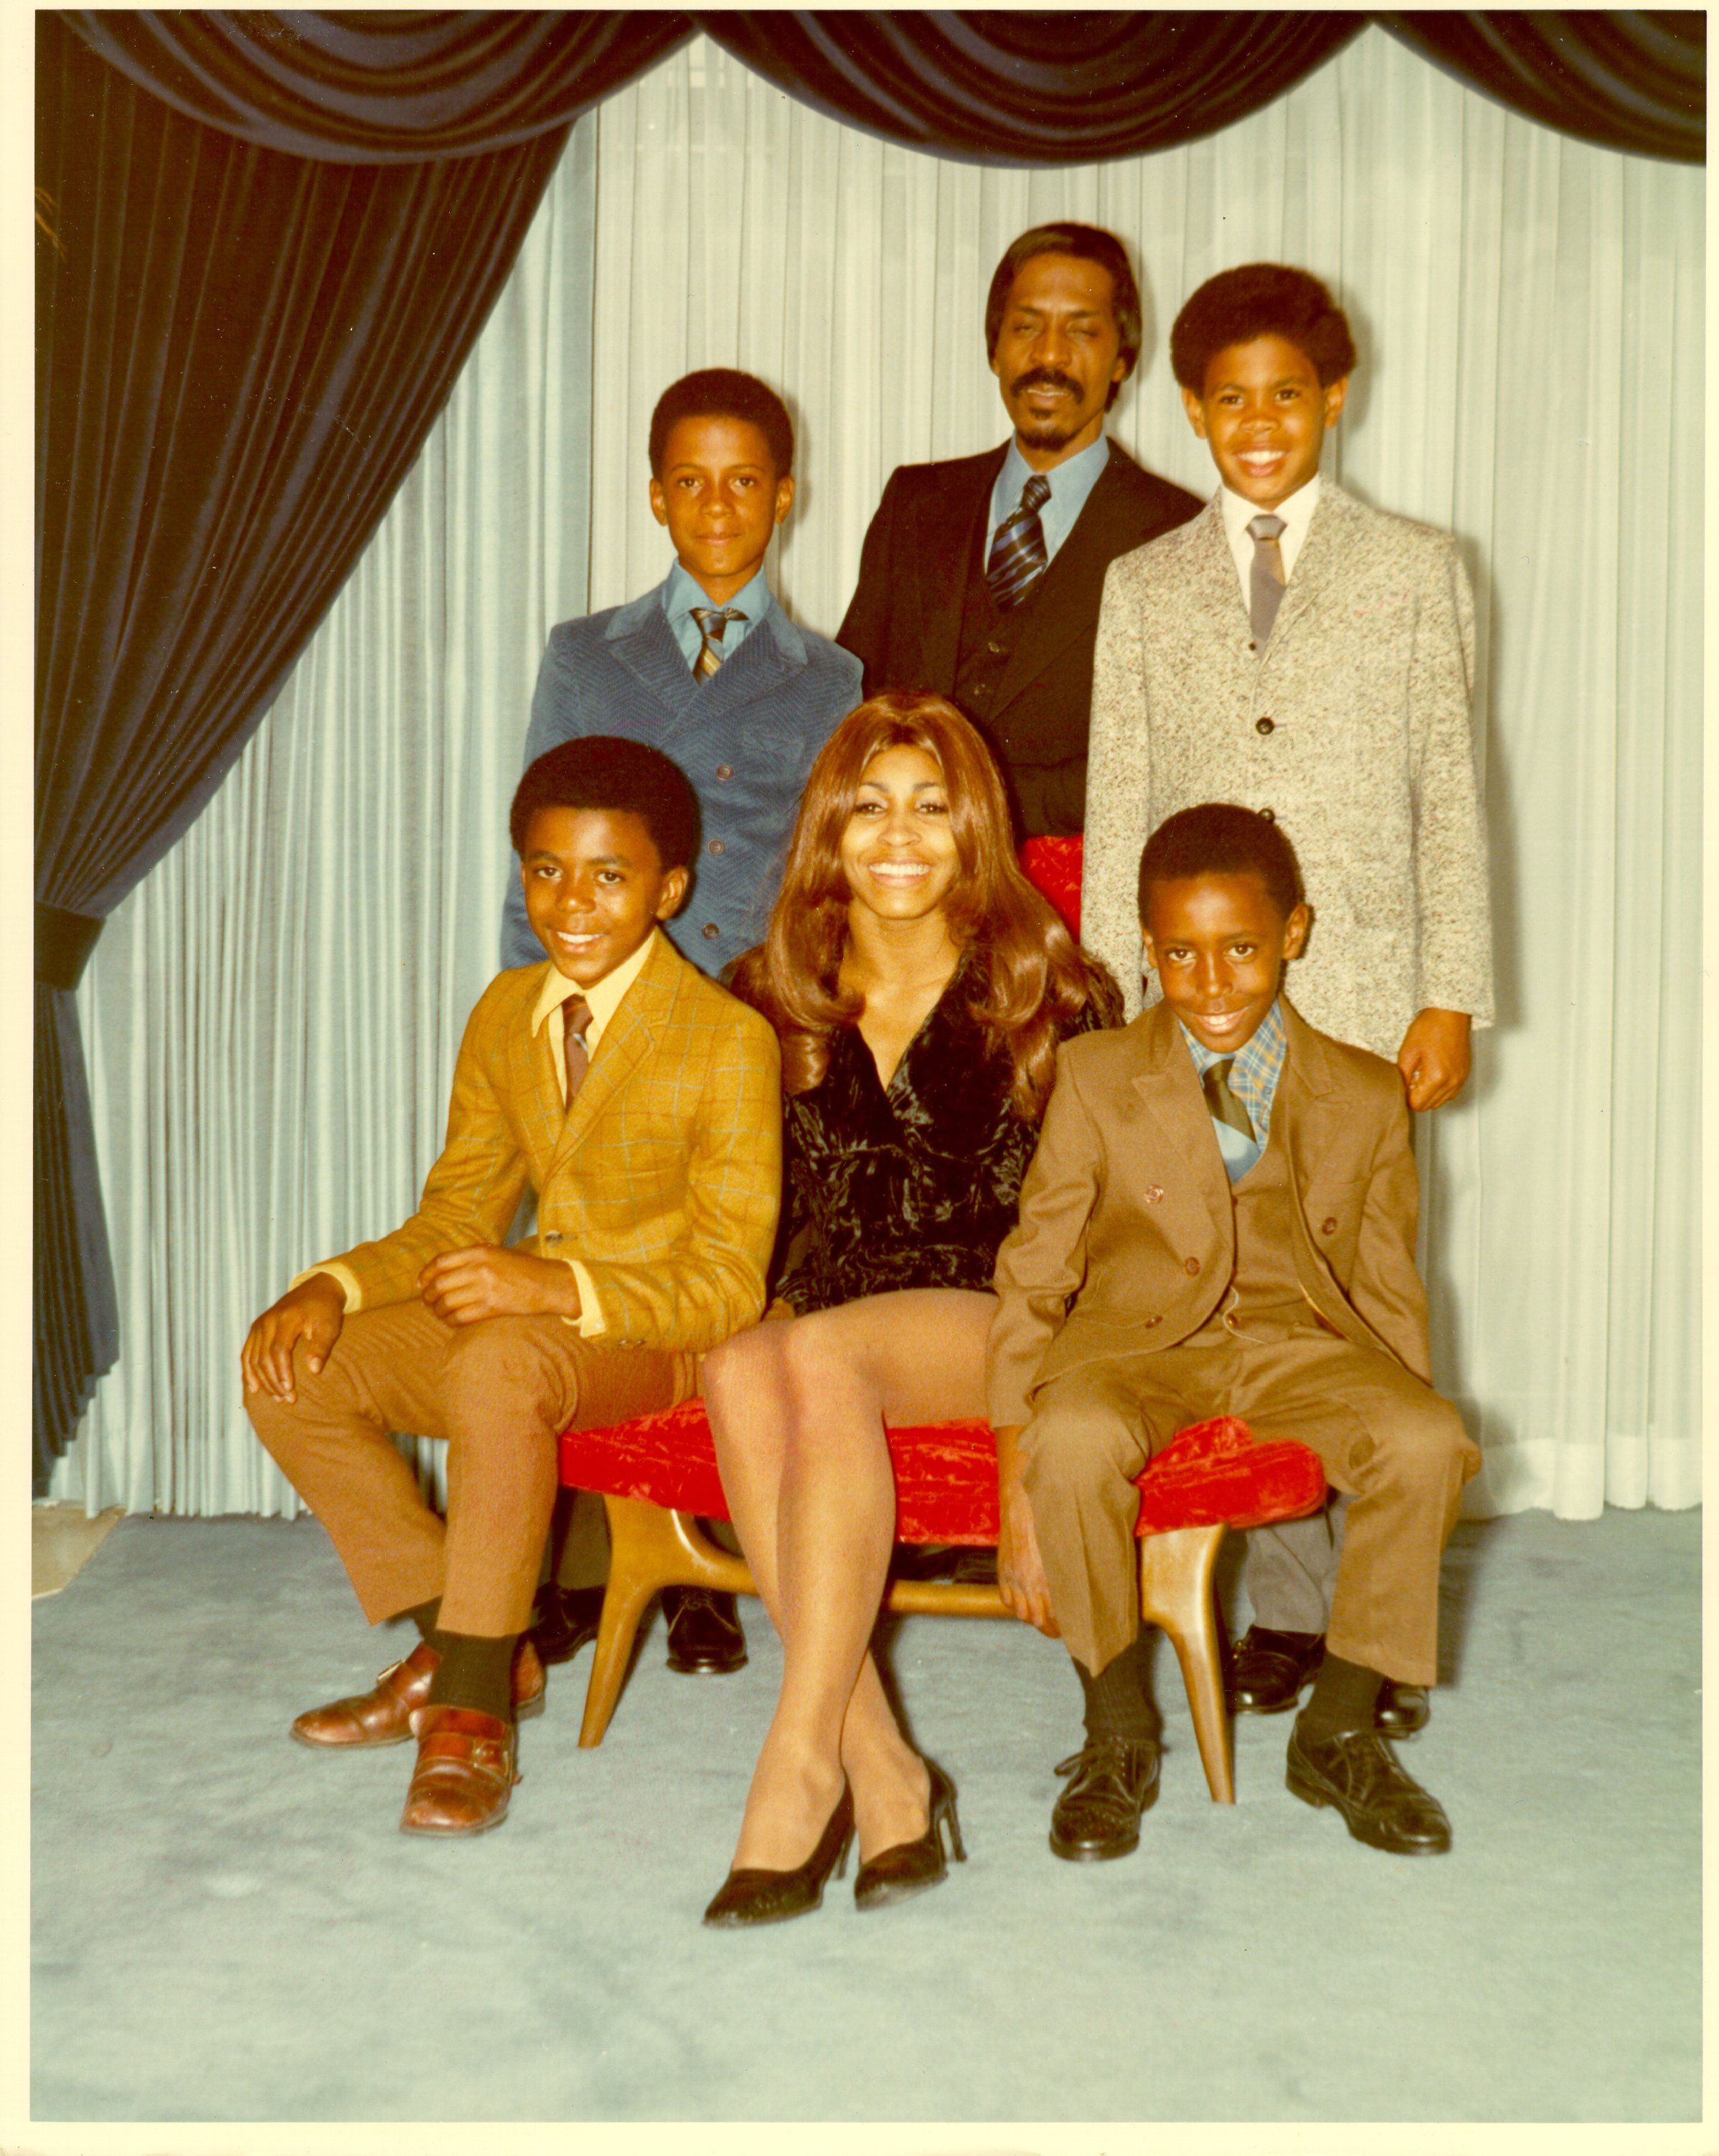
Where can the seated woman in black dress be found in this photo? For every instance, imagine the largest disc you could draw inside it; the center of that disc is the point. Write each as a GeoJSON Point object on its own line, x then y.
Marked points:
{"type": "Point", "coordinates": [920, 986]}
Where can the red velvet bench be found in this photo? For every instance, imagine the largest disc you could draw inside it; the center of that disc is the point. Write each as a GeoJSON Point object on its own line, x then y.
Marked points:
{"type": "Point", "coordinates": [655, 1473]}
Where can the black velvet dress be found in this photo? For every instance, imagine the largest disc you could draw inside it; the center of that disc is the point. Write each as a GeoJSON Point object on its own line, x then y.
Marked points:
{"type": "Point", "coordinates": [915, 1187]}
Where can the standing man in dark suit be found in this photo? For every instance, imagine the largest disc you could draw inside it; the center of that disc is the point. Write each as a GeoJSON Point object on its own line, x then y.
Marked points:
{"type": "Point", "coordinates": [707, 668]}
{"type": "Point", "coordinates": [981, 577]}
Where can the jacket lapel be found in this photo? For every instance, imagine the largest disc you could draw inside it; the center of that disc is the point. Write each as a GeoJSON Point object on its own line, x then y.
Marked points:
{"type": "Point", "coordinates": [626, 1040]}
{"type": "Point", "coordinates": [1316, 570]}
{"type": "Point", "coordinates": [1311, 1097]}
{"type": "Point", "coordinates": [949, 529]}
{"type": "Point", "coordinates": [640, 638]}
{"type": "Point", "coordinates": [1169, 1090]}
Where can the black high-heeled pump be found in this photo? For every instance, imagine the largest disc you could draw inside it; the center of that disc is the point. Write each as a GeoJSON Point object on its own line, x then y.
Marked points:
{"type": "Point", "coordinates": [911, 1866]}
{"type": "Point", "coordinates": [755, 1896]}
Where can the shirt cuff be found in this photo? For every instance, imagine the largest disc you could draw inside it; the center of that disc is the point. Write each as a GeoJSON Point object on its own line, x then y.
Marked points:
{"type": "Point", "coordinates": [336, 1271]}
{"type": "Point", "coordinates": [590, 1321]}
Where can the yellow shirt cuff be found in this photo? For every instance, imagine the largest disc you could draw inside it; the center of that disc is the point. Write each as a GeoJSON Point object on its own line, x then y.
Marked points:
{"type": "Point", "coordinates": [590, 1321]}
{"type": "Point", "coordinates": [337, 1271]}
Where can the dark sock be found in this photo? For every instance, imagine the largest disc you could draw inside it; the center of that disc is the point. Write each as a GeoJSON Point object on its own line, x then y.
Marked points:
{"type": "Point", "coordinates": [475, 1673]}
{"type": "Point", "coordinates": [1344, 1697]}
{"type": "Point", "coordinates": [425, 1617]}
{"type": "Point", "coordinates": [1116, 1702]}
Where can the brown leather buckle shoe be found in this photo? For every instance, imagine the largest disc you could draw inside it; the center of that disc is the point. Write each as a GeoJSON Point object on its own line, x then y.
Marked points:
{"type": "Point", "coordinates": [389, 1714]}
{"type": "Point", "coordinates": [464, 1773]}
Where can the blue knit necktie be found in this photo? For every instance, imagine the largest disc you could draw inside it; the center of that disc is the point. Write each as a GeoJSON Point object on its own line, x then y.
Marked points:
{"type": "Point", "coordinates": [1017, 554]}
{"type": "Point", "coordinates": [712, 621]}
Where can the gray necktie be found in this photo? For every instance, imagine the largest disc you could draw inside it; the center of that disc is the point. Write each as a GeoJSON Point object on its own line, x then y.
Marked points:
{"type": "Point", "coordinates": [1224, 1106]}
{"type": "Point", "coordinates": [1266, 586]}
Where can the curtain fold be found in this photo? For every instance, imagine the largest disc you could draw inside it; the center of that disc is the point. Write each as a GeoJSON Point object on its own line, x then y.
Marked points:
{"type": "Point", "coordinates": [1529, 310]}
{"type": "Point", "coordinates": [1008, 89]}
{"type": "Point", "coordinates": [238, 355]}
{"type": "Point", "coordinates": [374, 87]}
{"type": "Point", "coordinates": [1634, 81]}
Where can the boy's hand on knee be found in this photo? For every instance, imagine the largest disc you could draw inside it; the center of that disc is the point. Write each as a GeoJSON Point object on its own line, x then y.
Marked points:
{"type": "Point", "coordinates": [1434, 1058]}
{"type": "Point", "coordinates": [313, 1312]}
{"type": "Point", "coordinates": [462, 1286]}
{"type": "Point", "coordinates": [1020, 1571]}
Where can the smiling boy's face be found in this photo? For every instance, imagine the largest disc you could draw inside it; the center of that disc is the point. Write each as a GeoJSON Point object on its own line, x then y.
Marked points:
{"type": "Point", "coordinates": [1219, 946]}
{"type": "Point", "coordinates": [1264, 414]}
{"type": "Point", "coordinates": [721, 497]}
{"type": "Point", "coordinates": [595, 888]}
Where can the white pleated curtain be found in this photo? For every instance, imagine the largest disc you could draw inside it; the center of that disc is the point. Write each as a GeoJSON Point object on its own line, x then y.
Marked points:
{"type": "Point", "coordinates": [274, 1013]}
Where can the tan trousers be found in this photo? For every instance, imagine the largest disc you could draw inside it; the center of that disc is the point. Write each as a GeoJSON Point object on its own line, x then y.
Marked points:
{"type": "Point", "coordinates": [1396, 1447]}
{"type": "Point", "coordinates": [500, 1392]}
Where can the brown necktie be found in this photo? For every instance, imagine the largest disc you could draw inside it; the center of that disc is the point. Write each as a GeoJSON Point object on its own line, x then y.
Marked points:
{"type": "Point", "coordinates": [1224, 1106]}
{"type": "Point", "coordinates": [1266, 586]}
{"type": "Point", "coordinates": [575, 1017]}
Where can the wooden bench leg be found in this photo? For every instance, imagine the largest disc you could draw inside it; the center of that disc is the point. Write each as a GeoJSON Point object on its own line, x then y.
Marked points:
{"type": "Point", "coordinates": [1176, 1593]}
{"type": "Point", "coordinates": [649, 1549]}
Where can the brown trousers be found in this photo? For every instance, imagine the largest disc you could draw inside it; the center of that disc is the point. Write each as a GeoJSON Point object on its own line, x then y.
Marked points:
{"type": "Point", "coordinates": [1394, 1446]}
{"type": "Point", "coordinates": [500, 1392]}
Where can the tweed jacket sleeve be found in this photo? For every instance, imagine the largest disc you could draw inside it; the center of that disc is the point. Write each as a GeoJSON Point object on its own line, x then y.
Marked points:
{"type": "Point", "coordinates": [1118, 805]}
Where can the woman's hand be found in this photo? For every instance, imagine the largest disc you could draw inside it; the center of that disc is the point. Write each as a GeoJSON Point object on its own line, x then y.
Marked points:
{"type": "Point", "coordinates": [314, 1311]}
{"type": "Point", "coordinates": [1020, 1570]}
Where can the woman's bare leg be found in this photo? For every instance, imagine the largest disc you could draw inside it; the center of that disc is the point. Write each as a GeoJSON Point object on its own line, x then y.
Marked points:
{"type": "Point", "coordinates": [798, 1410]}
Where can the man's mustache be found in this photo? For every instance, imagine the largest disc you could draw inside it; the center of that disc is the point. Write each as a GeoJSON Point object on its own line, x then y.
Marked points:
{"type": "Point", "coordinates": [1044, 377]}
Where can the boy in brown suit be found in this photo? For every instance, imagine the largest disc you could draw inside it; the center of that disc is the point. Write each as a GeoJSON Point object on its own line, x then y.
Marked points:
{"type": "Point", "coordinates": [1220, 1220]}
{"type": "Point", "coordinates": [642, 1102]}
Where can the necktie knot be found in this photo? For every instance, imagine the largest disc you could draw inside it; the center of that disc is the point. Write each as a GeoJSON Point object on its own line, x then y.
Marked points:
{"type": "Point", "coordinates": [1266, 527]}
{"type": "Point", "coordinates": [712, 621]}
{"type": "Point", "coordinates": [1018, 556]}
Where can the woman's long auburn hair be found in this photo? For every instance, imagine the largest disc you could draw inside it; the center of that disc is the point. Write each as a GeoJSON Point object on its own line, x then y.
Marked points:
{"type": "Point", "coordinates": [1025, 977]}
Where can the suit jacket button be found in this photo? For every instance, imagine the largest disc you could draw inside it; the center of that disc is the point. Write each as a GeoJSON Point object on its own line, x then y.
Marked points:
{"type": "Point", "coordinates": [1190, 1264]}
{"type": "Point", "coordinates": [724, 771]}
{"type": "Point", "coordinates": [1151, 1322]}
{"type": "Point", "coordinates": [1328, 1227]}
{"type": "Point", "coordinates": [1154, 1191]}
{"type": "Point", "coordinates": [1265, 726]}
{"type": "Point", "coordinates": [711, 932]}
{"type": "Point", "coordinates": [717, 846]}
{"type": "Point", "coordinates": [1268, 815]}
{"type": "Point", "coordinates": [994, 648]}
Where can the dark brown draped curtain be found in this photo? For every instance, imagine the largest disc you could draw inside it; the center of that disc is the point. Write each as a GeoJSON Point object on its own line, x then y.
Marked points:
{"type": "Point", "coordinates": [266, 243]}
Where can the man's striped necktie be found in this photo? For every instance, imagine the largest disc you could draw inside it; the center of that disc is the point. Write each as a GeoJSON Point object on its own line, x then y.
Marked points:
{"type": "Point", "coordinates": [1017, 554]}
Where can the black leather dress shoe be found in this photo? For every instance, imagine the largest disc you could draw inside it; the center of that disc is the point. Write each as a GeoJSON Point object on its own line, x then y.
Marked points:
{"type": "Point", "coordinates": [1357, 1773]}
{"type": "Point", "coordinates": [1114, 1780]}
{"type": "Point", "coordinates": [705, 1638]}
{"type": "Point", "coordinates": [1403, 1710]}
{"type": "Point", "coordinates": [1270, 1669]}
{"type": "Point", "coordinates": [565, 1619]}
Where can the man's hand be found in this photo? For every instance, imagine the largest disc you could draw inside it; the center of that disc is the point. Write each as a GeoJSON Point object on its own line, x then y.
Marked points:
{"type": "Point", "coordinates": [314, 1311]}
{"type": "Point", "coordinates": [1020, 1571]}
{"type": "Point", "coordinates": [1434, 1058]}
{"type": "Point", "coordinates": [461, 1287]}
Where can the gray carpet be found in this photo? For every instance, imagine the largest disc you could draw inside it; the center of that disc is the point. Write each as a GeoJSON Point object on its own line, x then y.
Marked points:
{"type": "Point", "coordinates": [227, 1927]}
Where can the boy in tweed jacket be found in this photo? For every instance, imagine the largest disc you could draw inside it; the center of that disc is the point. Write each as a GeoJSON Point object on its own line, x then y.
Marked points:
{"type": "Point", "coordinates": [1300, 653]}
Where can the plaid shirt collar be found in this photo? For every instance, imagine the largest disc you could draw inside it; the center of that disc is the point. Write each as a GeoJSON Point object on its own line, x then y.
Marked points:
{"type": "Point", "coordinates": [1259, 1066]}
